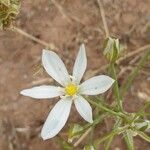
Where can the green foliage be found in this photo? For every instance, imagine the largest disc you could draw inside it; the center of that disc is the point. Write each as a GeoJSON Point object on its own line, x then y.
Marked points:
{"type": "Point", "coordinates": [143, 135]}
{"type": "Point", "coordinates": [64, 145]}
{"type": "Point", "coordinates": [128, 136]}
{"type": "Point", "coordinates": [143, 125]}
{"type": "Point", "coordinates": [128, 124]}
{"type": "Point", "coordinates": [116, 87]}
{"type": "Point", "coordinates": [89, 147]}
{"type": "Point", "coordinates": [9, 9]}
{"type": "Point", "coordinates": [128, 82]}
{"type": "Point", "coordinates": [74, 129]}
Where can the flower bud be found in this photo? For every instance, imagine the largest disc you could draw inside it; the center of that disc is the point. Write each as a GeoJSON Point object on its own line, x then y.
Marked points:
{"type": "Point", "coordinates": [9, 9]}
{"type": "Point", "coordinates": [112, 49]}
{"type": "Point", "coordinates": [144, 126]}
{"type": "Point", "coordinates": [72, 132]}
{"type": "Point", "coordinates": [89, 147]}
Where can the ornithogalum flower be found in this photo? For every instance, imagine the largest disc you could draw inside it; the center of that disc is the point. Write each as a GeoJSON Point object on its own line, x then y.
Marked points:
{"type": "Point", "coordinates": [70, 90]}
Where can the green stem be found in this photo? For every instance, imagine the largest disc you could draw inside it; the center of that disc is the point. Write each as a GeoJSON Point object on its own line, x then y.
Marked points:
{"type": "Point", "coordinates": [116, 87]}
{"type": "Point", "coordinates": [143, 135]}
{"type": "Point", "coordinates": [116, 125]}
{"type": "Point", "coordinates": [141, 111]}
{"type": "Point", "coordinates": [120, 114]}
{"type": "Point", "coordinates": [111, 134]}
{"type": "Point", "coordinates": [135, 72]}
{"type": "Point", "coordinates": [108, 144]}
{"type": "Point", "coordinates": [97, 114]}
{"type": "Point", "coordinates": [87, 126]}
{"type": "Point", "coordinates": [129, 140]}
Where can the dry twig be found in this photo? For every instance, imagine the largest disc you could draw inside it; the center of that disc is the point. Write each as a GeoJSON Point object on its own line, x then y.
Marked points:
{"type": "Point", "coordinates": [31, 37]}
{"type": "Point", "coordinates": [102, 11]}
{"type": "Point", "coordinates": [82, 137]}
{"type": "Point", "coordinates": [61, 10]}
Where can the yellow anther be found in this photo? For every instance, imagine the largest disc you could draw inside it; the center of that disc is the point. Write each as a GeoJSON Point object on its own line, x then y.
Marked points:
{"type": "Point", "coordinates": [71, 89]}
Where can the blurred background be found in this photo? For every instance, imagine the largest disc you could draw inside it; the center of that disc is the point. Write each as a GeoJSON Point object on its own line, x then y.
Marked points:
{"type": "Point", "coordinates": [64, 25]}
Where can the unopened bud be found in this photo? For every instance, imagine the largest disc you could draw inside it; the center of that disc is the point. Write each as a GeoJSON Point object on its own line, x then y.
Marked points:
{"type": "Point", "coordinates": [89, 147]}
{"type": "Point", "coordinates": [9, 9]}
{"type": "Point", "coordinates": [112, 49]}
{"type": "Point", "coordinates": [144, 126]}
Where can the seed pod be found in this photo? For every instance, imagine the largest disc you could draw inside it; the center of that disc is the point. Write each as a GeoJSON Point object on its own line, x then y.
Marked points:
{"type": "Point", "coordinates": [112, 49]}
{"type": "Point", "coordinates": [9, 9]}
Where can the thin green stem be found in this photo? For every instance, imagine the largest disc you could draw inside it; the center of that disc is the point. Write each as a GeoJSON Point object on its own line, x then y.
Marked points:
{"type": "Point", "coordinates": [87, 126]}
{"type": "Point", "coordinates": [109, 141]}
{"type": "Point", "coordinates": [113, 133]}
{"type": "Point", "coordinates": [120, 114]}
{"type": "Point", "coordinates": [135, 72]}
{"type": "Point", "coordinates": [97, 114]}
{"type": "Point", "coordinates": [142, 109]}
{"type": "Point", "coordinates": [96, 121]}
{"type": "Point", "coordinates": [143, 135]}
{"type": "Point", "coordinates": [116, 87]}
{"type": "Point", "coordinates": [129, 140]}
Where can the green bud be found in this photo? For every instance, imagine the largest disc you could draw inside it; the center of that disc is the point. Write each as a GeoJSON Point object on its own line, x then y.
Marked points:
{"type": "Point", "coordinates": [130, 133]}
{"type": "Point", "coordinates": [143, 126]}
{"type": "Point", "coordinates": [64, 145]}
{"type": "Point", "coordinates": [74, 128]}
{"type": "Point", "coordinates": [9, 9]}
{"type": "Point", "coordinates": [89, 147]}
{"type": "Point", "coordinates": [112, 49]}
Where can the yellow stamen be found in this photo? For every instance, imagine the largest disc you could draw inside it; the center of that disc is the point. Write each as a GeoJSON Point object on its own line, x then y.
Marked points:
{"type": "Point", "coordinates": [71, 89]}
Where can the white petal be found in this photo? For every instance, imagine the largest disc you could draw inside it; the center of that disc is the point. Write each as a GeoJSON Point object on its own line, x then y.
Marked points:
{"type": "Point", "coordinates": [43, 91]}
{"type": "Point", "coordinates": [56, 119]}
{"type": "Point", "coordinates": [55, 67]}
{"type": "Point", "coordinates": [84, 108]}
{"type": "Point", "coordinates": [80, 64]}
{"type": "Point", "coordinates": [96, 85]}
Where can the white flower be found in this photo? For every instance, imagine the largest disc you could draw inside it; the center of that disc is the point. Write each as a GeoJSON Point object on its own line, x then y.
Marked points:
{"type": "Point", "coordinates": [70, 91]}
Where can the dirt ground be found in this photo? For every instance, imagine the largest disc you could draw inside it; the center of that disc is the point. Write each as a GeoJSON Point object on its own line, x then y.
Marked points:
{"type": "Point", "coordinates": [65, 27]}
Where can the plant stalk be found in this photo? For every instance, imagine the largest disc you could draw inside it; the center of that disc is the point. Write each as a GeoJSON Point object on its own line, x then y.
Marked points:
{"type": "Point", "coordinates": [116, 87]}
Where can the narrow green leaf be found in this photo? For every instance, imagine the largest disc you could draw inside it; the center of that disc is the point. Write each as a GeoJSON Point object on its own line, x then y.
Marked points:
{"type": "Point", "coordinates": [73, 129]}
{"type": "Point", "coordinates": [143, 135]}
{"type": "Point", "coordinates": [128, 82]}
{"type": "Point", "coordinates": [116, 87]}
{"type": "Point", "coordinates": [95, 122]}
{"type": "Point", "coordinates": [129, 139]}
{"type": "Point", "coordinates": [64, 145]}
{"type": "Point", "coordinates": [109, 141]}
{"type": "Point", "coordinates": [114, 132]}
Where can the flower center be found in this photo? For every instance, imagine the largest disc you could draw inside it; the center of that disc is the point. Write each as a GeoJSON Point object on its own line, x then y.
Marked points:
{"type": "Point", "coordinates": [71, 89]}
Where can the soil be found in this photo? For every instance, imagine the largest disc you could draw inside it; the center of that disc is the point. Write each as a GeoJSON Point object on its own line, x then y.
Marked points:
{"type": "Point", "coordinates": [21, 118]}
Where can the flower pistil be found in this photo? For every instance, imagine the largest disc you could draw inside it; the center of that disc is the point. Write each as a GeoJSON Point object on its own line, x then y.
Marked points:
{"type": "Point", "coordinates": [71, 89]}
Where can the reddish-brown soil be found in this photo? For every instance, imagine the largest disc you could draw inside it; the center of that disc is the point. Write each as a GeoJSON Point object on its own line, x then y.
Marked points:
{"type": "Point", "coordinates": [21, 118]}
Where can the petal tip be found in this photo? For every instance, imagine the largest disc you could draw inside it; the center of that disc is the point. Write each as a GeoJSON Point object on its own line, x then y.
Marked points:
{"type": "Point", "coordinates": [112, 80]}
{"type": "Point", "coordinates": [91, 121]}
{"type": "Point", "coordinates": [44, 137]}
{"type": "Point", "coordinates": [45, 51]}
{"type": "Point", "coordinates": [82, 44]}
{"type": "Point", "coordinates": [82, 47]}
{"type": "Point", "coordinates": [22, 92]}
